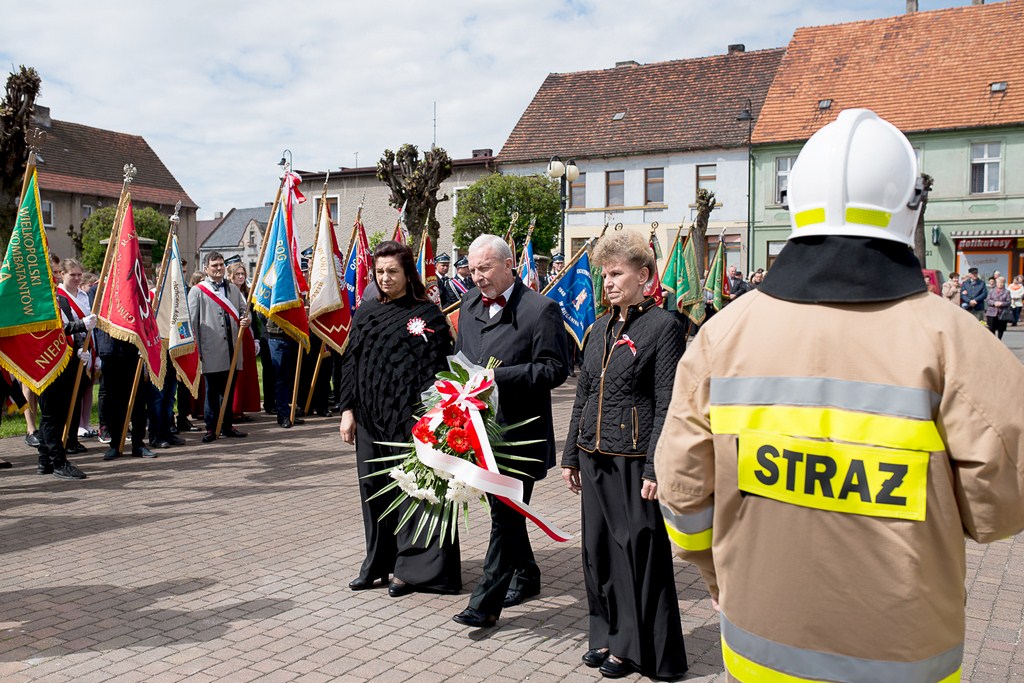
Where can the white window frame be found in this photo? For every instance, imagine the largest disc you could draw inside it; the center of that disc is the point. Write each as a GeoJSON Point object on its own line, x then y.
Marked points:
{"type": "Point", "coordinates": [337, 204]}
{"type": "Point", "coordinates": [705, 179]}
{"type": "Point", "coordinates": [992, 166]}
{"type": "Point", "coordinates": [46, 207]}
{"type": "Point", "coordinates": [780, 176]}
{"type": "Point", "coordinates": [87, 210]}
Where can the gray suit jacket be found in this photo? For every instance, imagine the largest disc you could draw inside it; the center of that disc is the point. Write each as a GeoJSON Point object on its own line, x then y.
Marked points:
{"type": "Point", "coordinates": [215, 330]}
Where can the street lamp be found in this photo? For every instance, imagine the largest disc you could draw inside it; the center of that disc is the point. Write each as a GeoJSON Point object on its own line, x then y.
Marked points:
{"type": "Point", "coordinates": [747, 115]}
{"type": "Point", "coordinates": [285, 163]}
{"type": "Point", "coordinates": [565, 173]}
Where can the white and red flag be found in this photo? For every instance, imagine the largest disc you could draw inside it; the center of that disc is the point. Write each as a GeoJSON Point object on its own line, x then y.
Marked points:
{"type": "Point", "coordinates": [330, 317]}
{"type": "Point", "coordinates": [401, 229]}
{"type": "Point", "coordinates": [172, 319]}
{"type": "Point", "coordinates": [125, 311]}
{"type": "Point", "coordinates": [427, 269]}
{"type": "Point", "coordinates": [292, 197]}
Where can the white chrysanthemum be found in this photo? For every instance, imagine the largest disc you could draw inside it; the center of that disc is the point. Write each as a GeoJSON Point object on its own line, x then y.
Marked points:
{"type": "Point", "coordinates": [459, 492]}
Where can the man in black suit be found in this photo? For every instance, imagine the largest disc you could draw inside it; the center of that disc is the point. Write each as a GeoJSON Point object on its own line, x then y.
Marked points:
{"type": "Point", "coordinates": [504, 319]}
{"type": "Point", "coordinates": [442, 263]}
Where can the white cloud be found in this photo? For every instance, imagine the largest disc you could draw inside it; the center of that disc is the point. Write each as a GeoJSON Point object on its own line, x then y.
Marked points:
{"type": "Point", "coordinates": [219, 89]}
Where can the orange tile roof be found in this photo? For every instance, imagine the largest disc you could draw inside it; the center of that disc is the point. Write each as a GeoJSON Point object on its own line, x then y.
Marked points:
{"type": "Point", "coordinates": [671, 106]}
{"type": "Point", "coordinates": [924, 71]}
{"type": "Point", "coordinates": [85, 160]}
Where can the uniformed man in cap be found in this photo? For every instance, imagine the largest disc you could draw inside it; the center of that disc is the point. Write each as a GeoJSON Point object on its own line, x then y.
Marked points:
{"type": "Point", "coordinates": [442, 263]}
{"type": "Point", "coordinates": [462, 282]}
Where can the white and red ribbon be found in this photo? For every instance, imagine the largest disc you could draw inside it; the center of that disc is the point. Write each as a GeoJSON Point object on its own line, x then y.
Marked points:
{"type": "Point", "coordinates": [484, 474]}
{"type": "Point", "coordinates": [627, 342]}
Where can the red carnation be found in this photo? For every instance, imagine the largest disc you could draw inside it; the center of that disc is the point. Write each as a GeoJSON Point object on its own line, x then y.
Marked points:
{"type": "Point", "coordinates": [454, 416]}
{"type": "Point", "coordinates": [458, 440]}
{"type": "Point", "coordinates": [421, 431]}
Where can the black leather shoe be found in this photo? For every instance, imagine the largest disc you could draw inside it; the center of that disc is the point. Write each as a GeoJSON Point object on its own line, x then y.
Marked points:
{"type": "Point", "coordinates": [322, 412]}
{"type": "Point", "coordinates": [397, 590]}
{"type": "Point", "coordinates": [285, 423]}
{"type": "Point", "coordinates": [111, 454]}
{"type": "Point", "coordinates": [176, 441]}
{"type": "Point", "coordinates": [44, 466]}
{"type": "Point", "coordinates": [209, 436]}
{"type": "Point", "coordinates": [361, 584]}
{"type": "Point", "coordinates": [160, 444]}
{"type": "Point", "coordinates": [75, 448]}
{"type": "Point", "coordinates": [612, 669]}
{"type": "Point", "coordinates": [68, 471]}
{"type": "Point", "coordinates": [474, 617]}
{"type": "Point", "coordinates": [233, 433]}
{"type": "Point", "coordinates": [142, 452]}
{"type": "Point", "coordinates": [515, 596]}
{"type": "Point", "coordinates": [595, 658]}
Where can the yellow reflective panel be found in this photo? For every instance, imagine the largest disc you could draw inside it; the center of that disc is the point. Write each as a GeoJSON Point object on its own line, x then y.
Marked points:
{"type": "Point", "coordinates": [698, 541]}
{"type": "Point", "coordinates": [809, 217]}
{"type": "Point", "coordinates": [824, 475]}
{"type": "Point", "coordinates": [829, 423]}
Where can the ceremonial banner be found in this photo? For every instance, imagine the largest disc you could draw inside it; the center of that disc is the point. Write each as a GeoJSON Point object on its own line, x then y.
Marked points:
{"type": "Point", "coordinates": [653, 287]}
{"type": "Point", "coordinates": [681, 280]}
{"type": "Point", "coordinates": [33, 347]}
{"type": "Point", "coordinates": [277, 294]}
{"type": "Point", "coordinates": [292, 197]}
{"type": "Point", "coordinates": [401, 229]}
{"type": "Point", "coordinates": [718, 281]}
{"type": "Point", "coordinates": [528, 267]}
{"type": "Point", "coordinates": [574, 293]}
{"type": "Point", "coordinates": [358, 265]}
{"type": "Point", "coordinates": [427, 269]}
{"type": "Point", "coordinates": [172, 317]}
{"type": "Point", "coordinates": [125, 311]}
{"type": "Point", "coordinates": [330, 317]}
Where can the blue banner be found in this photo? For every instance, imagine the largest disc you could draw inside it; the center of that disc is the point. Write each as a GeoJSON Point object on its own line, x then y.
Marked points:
{"type": "Point", "coordinates": [574, 293]}
{"type": "Point", "coordinates": [277, 293]}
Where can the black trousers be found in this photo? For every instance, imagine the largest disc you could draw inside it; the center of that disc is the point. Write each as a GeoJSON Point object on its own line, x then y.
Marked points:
{"type": "Point", "coordinates": [118, 375]}
{"type": "Point", "coordinates": [217, 391]}
{"type": "Point", "coordinates": [509, 561]}
{"type": "Point", "coordinates": [53, 412]}
{"type": "Point", "coordinates": [269, 377]}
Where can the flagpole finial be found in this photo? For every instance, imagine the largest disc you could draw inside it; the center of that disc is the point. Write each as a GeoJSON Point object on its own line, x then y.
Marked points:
{"type": "Point", "coordinates": [175, 219]}
{"type": "Point", "coordinates": [362, 200]}
{"type": "Point", "coordinates": [326, 178]}
{"type": "Point", "coordinates": [129, 173]}
{"type": "Point", "coordinates": [35, 139]}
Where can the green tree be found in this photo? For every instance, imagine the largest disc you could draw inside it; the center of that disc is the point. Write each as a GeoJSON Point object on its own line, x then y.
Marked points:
{"type": "Point", "coordinates": [487, 206]}
{"type": "Point", "coordinates": [148, 223]}
{"type": "Point", "coordinates": [375, 239]}
{"type": "Point", "coordinates": [16, 110]}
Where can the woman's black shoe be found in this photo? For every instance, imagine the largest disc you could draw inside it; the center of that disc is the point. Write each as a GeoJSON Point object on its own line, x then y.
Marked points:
{"type": "Point", "coordinates": [397, 590]}
{"type": "Point", "coordinates": [613, 669]}
{"type": "Point", "coordinates": [361, 584]}
{"type": "Point", "coordinates": [595, 658]}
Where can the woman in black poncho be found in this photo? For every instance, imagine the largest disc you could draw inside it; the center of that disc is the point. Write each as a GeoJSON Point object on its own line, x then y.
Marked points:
{"type": "Point", "coordinates": [385, 368]}
{"type": "Point", "coordinates": [621, 400]}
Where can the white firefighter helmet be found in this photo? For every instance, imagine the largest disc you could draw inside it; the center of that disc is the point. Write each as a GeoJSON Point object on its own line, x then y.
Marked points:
{"type": "Point", "coordinates": [857, 176]}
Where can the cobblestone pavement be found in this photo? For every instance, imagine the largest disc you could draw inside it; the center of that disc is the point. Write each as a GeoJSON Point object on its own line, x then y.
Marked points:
{"type": "Point", "coordinates": [229, 562]}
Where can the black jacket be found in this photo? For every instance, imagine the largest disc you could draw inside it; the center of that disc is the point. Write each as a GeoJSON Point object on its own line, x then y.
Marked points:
{"type": "Point", "coordinates": [528, 338]}
{"type": "Point", "coordinates": [622, 397]}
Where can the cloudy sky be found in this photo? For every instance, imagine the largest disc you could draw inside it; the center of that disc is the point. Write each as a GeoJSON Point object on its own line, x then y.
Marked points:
{"type": "Point", "coordinates": [219, 89]}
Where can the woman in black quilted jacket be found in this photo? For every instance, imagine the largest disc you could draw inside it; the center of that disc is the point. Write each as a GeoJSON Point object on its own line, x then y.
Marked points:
{"type": "Point", "coordinates": [621, 398]}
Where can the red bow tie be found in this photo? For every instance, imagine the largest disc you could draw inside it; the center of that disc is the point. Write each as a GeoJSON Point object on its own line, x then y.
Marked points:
{"type": "Point", "coordinates": [500, 300]}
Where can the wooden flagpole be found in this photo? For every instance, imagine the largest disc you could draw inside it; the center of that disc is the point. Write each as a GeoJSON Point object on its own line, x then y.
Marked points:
{"type": "Point", "coordinates": [295, 385]}
{"type": "Point", "coordinates": [248, 307]}
{"type": "Point", "coordinates": [160, 278]}
{"type": "Point", "coordinates": [115, 233]}
{"type": "Point", "coordinates": [316, 241]}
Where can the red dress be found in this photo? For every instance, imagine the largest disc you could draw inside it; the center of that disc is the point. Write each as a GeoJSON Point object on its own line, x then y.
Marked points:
{"type": "Point", "coordinates": [247, 382]}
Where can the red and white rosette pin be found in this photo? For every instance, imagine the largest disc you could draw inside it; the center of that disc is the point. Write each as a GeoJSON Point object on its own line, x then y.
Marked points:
{"type": "Point", "coordinates": [418, 328]}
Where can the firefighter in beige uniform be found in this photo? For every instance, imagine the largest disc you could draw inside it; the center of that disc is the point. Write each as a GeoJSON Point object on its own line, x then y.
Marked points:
{"type": "Point", "coordinates": [823, 480]}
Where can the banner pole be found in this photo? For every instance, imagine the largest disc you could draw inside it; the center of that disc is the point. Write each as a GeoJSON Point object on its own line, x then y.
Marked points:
{"type": "Point", "coordinates": [295, 385]}
{"type": "Point", "coordinates": [316, 375]}
{"type": "Point", "coordinates": [131, 406]}
{"type": "Point", "coordinates": [115, 230]}
{"type": "Point", "coordinates": [248, 308]}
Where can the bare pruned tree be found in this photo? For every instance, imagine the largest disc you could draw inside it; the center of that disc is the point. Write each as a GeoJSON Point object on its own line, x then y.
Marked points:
{"type": "Point", "coordinates": [16, 111]}
{"type": "Point", "coordinates": [414, 183]}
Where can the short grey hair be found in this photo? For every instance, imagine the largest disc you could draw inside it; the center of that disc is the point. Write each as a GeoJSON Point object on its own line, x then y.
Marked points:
{"type": "Point", "coordinates": [494, 243]}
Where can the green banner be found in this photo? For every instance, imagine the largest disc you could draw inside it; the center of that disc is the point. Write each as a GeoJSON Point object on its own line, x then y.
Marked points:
{"type": "Point", "coordinates": [27, 299]}
{"type": "Point", "coordinates": [681, 279]}
{"type": "Point", "coordinates": [716, 279]}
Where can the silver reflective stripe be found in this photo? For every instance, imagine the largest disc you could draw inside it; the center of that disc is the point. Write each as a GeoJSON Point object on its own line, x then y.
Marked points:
{"type": "Point", "coordinates": [689, 524]}
{"type": "Point", "coordinates": [867, 397]}
{"type": "Point", "coordinates": [831, 667]}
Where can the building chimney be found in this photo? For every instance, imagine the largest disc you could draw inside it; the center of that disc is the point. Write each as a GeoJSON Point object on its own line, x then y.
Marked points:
{"type": "Point", "coordinates": [628, 62]}
{"type": "Point", "coordinates": [217, 215]}
{"type": "Point", "coordinates": [911, 6]}
{"type": "Point", "coordinates": [736, 48]}
{"type": "Point", "coordinates": [478, 153]}
{"type": "Point", "coordinates": [41, 116]}
{"type": "Point", "coordinates": [977, 2]}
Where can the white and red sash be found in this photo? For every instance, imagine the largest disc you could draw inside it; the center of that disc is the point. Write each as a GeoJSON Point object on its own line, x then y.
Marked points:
{"type": "Point", "coordinates": [77, 310]}
{"type": "Point", "coordinates": [223, 302]}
